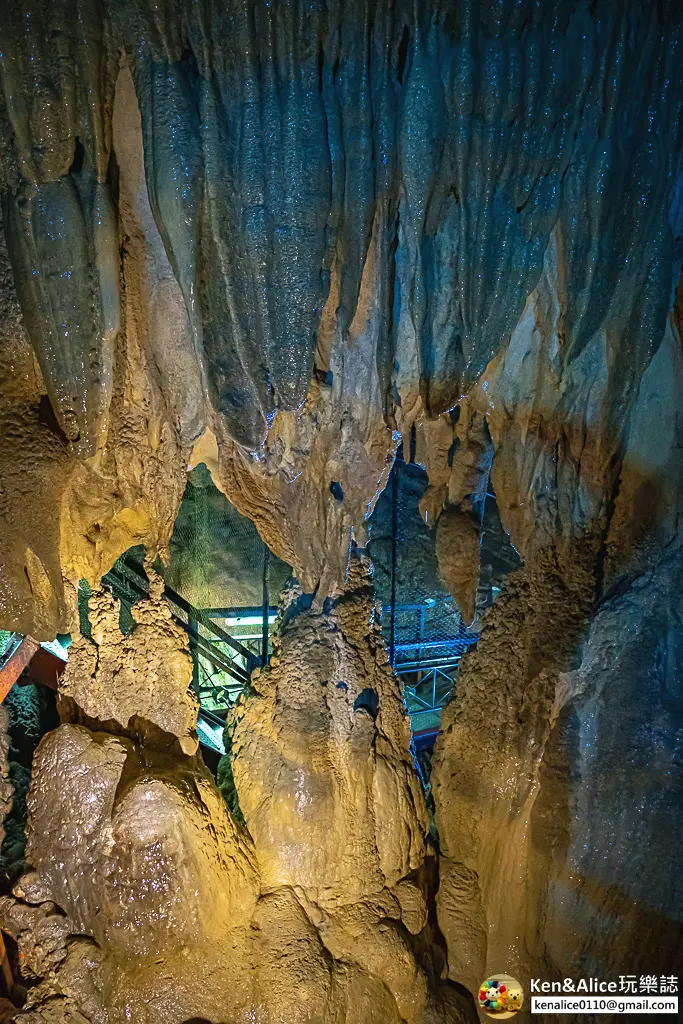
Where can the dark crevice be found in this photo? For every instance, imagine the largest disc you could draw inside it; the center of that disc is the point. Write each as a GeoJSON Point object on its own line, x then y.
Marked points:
{"type": "Point", "coordinates": [46, 417]}
{"type": "Point", "coordinates": [393, 298]}
{"type": "Point", "coordinates": [79, 158]}
{"type": "Point", "coordinates": [601, 560]}
{"type": "Point", "coordinates": [113, 177]}
{"type": "Point", "coordinates": [367, 700]}
{"type": "Point", "coordinates": [321, 65]}
{"type": "Point", "coordinates": [402, 61]}
{"type": "Point", "coordinates": [28, 578]}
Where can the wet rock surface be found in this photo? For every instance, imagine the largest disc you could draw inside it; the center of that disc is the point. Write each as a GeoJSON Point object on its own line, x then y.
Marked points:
{"type": "Point", "coordinates": [594, 510]}
{"type": "Point", "coordinates": [144, 675]}
{"type": "Point", "coordinates": [326, 233]}
{"type": "Point", "coordinates": [34, 460]}
{"type": "Point", "coordinates": [323, 740]}
{"type": "Point", "coordinates": [281, 240]}
{"type": "Point", "coordinates": [149, 902]}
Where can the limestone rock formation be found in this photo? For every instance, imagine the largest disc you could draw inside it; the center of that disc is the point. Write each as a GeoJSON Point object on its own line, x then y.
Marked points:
{"type": "Point", "coordinates": [145, 675]}
{"type": "Point", "coordinates": [148, 902]}
{"type": "Point", "coordinates": [164, 881]}
{"type": "Point", "coordinates": [328, 790]}
{"type": "Point", "coordinates": [593, 505]}
{"type": "Point", "coordinates": [281, 239]}
{"type": "Point", "coordinates": [459, 530]}
{"type": "Point", "coordinates": [321, 752]}
{"type": "Point", "coordinates": [31, 595]}
{"type": "Point", "coordinates": [304, 271]}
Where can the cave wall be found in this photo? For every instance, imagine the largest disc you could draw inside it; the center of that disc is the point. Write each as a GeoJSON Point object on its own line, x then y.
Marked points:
{"type": "Point", "coordinates": [274, 238]}
{"type": "Point", "coordinates": [216, 557]}
{"type": "Point", "coordinates": [557, 770]}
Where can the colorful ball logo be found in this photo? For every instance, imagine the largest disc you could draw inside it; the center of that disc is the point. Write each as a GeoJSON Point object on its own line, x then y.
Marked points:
{"type": "Point", "coordinates": [500, 996]}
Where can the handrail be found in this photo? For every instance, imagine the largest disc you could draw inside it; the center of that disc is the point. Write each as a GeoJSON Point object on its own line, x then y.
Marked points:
{"type": "Point", "coordinates": [194, 613]}
{"type": "Point", "coordinates": [130, 576]}
{"type": "Point", "coordinates": [198, 615]}
{"type": "Point", "coordinates": [11, 647]}
{"type": "Point", "coordinates": [17, 660]}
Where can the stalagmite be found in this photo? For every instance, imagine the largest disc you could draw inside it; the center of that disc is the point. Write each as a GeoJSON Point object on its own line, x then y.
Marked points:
{"type": "Point", "coordinates": [172, 908]}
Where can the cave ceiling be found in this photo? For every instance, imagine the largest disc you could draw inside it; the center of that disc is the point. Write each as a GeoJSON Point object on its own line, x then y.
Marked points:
{"type": "Point", "coordinates": [288, 233]}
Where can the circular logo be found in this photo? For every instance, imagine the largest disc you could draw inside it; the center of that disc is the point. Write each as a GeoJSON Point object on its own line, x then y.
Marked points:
{"type": "Point", "coordinates": [500, 996]}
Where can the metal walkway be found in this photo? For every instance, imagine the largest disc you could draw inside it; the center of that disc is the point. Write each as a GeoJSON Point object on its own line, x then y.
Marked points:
{"type": "Point", "coordinates": [429, 641]}
{"type": "Point", "coordinates": [222, 663]}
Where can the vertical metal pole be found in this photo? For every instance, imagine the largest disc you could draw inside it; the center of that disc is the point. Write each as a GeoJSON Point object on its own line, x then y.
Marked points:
{"type": "Point", "coordinates": [266, 605]}
{"type": "Point", "coordinates": [394, 558]}
{"type": "Point", "coordinates": [193, 634]}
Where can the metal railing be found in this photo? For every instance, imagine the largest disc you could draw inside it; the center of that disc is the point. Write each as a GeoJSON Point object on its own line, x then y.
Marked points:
{"type": "Point", "coordinates": [429, 640]}
{"type": "Point", "coordinates": [426, 641]}
{"type": "Point", "coordinates": [222, 663]}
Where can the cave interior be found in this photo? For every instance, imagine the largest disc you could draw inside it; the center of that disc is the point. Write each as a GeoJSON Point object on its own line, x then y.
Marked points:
{"type": "Point", "coordinates": [341, 480]}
